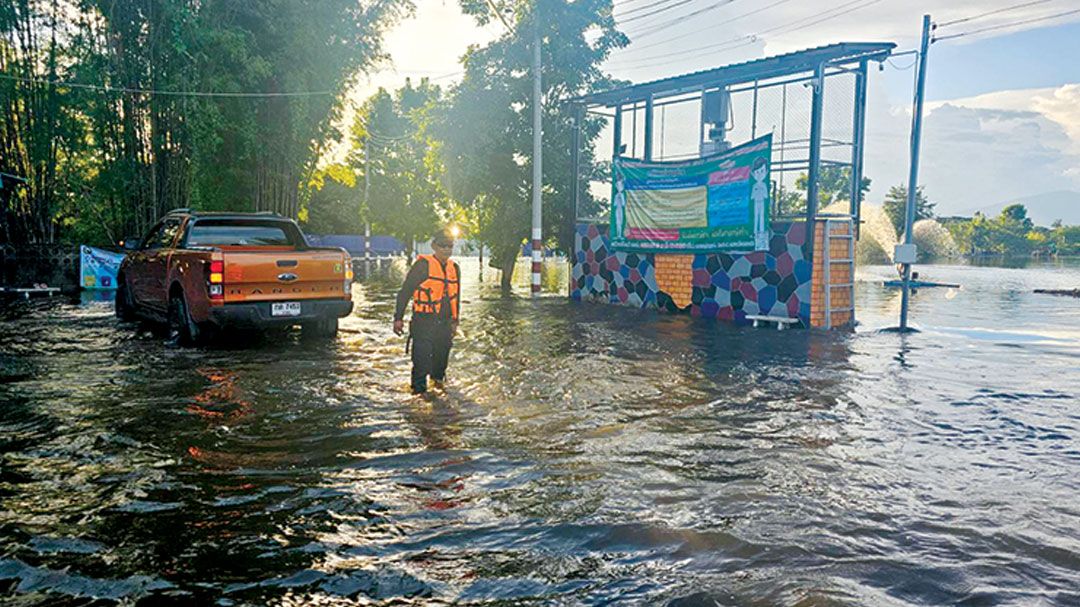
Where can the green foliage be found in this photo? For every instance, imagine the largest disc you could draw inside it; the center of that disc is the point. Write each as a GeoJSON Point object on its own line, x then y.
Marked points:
{"type": "Point", "coordinates": [404, 172]}
{"type": "Point", "coordinates": [103, 164]}
{"type": "Point", "coordinates": [834, 185]}
{"type": "Point", "coordinates": [486, 125]}
{"type": "Point", "coordinates": [1012, 233]}
{"type": "Point", "coordinates": [1064, 240]}
{"type": "Point", "coordinates": [895, 206]}
{"type": "Point", "coordinates": [791, 202]}
{"type": "Point", "coordinates": [333, 205]}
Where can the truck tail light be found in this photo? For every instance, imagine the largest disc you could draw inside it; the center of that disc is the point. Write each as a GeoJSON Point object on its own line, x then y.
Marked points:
{"type": "Point", "coordinates": [346, 285]}
{"type": "Point", "coordinates": [217, 272]}
{"type": "Point", "coordinates": [216, 277]}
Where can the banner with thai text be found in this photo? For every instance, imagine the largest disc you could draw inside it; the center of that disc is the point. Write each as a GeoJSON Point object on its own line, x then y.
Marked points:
{"type": "Point", "coordinates": [716, 203]}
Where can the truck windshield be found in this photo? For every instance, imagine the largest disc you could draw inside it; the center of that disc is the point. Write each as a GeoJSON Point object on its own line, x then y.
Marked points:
{"type": "Point", "coordinates": [237, 233]}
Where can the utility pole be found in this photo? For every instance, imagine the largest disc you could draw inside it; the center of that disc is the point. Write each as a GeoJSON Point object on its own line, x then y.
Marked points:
{"type": "Point", "coordinates": [537, 176]}
{"type": "Point", "coordinates": [907, 255]}
{"type": "Point", "coordinates": [367, 210]}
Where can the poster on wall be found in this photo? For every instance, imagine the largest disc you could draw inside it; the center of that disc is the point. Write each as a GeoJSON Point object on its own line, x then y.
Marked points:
{"type": "Point", "coordinates": [98, 267]}
{"type": "Point", "coordinates": [710, 204]}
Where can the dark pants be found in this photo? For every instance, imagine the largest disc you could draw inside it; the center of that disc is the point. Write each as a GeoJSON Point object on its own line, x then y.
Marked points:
{"type": "Point", "coordinates": [431, 341]}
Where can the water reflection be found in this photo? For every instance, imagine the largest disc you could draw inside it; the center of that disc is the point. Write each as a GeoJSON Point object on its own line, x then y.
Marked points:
{"type": "Point", "coordinates": [580, 454]}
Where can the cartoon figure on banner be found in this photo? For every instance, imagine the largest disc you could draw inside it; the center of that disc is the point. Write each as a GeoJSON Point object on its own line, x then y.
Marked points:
{"type": "Point", "coordinates": [759, 194]}
{"type": "Point", "coordinates": [620, 207]}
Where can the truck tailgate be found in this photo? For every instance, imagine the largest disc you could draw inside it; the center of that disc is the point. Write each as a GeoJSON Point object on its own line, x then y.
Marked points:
{"type": "Point", "coordinates": [284, 275]}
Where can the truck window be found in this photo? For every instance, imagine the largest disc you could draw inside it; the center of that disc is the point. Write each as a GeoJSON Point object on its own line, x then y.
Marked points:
{"type": "Point", "coordinates": [210, 233]}
{"type": "Point", "coordinates": [163, 235]}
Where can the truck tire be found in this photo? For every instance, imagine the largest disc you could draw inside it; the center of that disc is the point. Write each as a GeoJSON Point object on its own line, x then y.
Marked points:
{"type": "Point", "coordinates": [182, 330]}
{"type": "Point", "coordinates": [322, 329]}
{"type": "Point", "coordinates": [123, 306]}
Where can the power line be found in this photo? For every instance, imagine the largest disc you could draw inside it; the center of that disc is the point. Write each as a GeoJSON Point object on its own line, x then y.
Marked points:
{"type": "Point", "coordinates": [662, 9]}
{"type": "Point", "coordinates": [638, 9]}
{"type": "Point", "coordinates": [993, 12]}
{"type": "Point", "coordinates": [821, 17]}
{"type": "Point", "coordinates": [899, 54]}
{"type": "Point", "coordinates": [665, 24]}
{"type": "Point", "coordinates": [124, 89]}
{"type": "Point", "coordinates": [1008, 25]}
{"type": "Point", "coordinates": [726, 45]}
{"type": "Point", "coordinates": [173, 93]}
{"type": "Point", "coordinates": [627, 3]}
{"type": "Point", "coordinates": [448, 75]}
{"type": "Point", "coordinates": [747, 39]}
{"type": "Point", "coordinates": [703, 29]}
{"type": "Point", "coordinates": [423, 75]}
{"type": "Point", "coordinates": [904, 68]}
{"type": "Point", "coordinates": [796, 25]}
{"type": "Point", "coordinates": [380, 138]}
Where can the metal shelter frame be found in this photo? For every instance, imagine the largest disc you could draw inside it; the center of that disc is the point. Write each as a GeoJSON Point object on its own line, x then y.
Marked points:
{"type": "Point", "coordinates": [811, 68]}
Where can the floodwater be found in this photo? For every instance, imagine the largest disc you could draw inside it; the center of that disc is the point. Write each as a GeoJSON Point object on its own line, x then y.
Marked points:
{"type": "Point", "coordinates": [583, 454]}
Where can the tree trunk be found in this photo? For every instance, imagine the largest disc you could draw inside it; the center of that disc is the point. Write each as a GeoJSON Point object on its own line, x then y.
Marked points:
{"type": "Point", "coordinates": [507, 267]}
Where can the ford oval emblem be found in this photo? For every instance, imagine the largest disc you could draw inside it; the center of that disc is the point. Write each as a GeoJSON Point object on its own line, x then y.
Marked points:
{"type": "Point", "coordinates": [287, 277]}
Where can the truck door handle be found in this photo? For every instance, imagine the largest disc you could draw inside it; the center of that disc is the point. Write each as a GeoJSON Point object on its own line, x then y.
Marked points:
{"type": "Point", "coordinates": [286, 263]}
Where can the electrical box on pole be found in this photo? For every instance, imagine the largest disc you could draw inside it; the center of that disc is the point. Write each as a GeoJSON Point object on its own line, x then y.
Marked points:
{"type": "Point", "coordinates": [715, 109]}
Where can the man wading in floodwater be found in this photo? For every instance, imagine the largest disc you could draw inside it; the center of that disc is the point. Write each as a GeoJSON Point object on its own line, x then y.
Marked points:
{"type": "Point", "coordinates": [432, 284]}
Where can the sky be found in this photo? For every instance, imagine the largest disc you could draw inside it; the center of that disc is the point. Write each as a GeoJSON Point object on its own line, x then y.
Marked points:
{"type": "Point", "coordinates": [1002, 118]}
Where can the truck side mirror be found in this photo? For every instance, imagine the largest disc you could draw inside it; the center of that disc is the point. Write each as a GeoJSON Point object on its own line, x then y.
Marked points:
{"type": "Point", "coordinates": [130, 244]}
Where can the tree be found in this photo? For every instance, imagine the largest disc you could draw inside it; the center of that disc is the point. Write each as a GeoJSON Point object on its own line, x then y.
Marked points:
{"type": "Point", "coordinates": [895, 206]}
{"type": "Point", "coordinates": [407, 198]}
{"type": "Point", "coordinates": [1012, 231]}
{"type": "Point", "coordinates": [1015, 215]}
{"type": "Point", "coordinates": [105, 162]}
{"type": "Point", "coordinates": [834, 185]}
{"type": "Point", "coordinates": [487, 126]}
{"type": "Point", "coordinates": [42, 139]}
{"type": "Point", "coordinates": [333, 203]}
{"type": "Point", "coordinates": [1066, 240]}
{"type": "Point", "coordinates": [791, 202]}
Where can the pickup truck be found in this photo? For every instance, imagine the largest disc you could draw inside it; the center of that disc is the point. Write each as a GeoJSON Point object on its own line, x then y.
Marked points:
{"type": "Point", "coordinates": [200, 272]}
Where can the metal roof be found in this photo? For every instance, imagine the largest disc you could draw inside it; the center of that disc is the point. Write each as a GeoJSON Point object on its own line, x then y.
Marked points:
{"type": "Point", "coordinates": [758, 69]}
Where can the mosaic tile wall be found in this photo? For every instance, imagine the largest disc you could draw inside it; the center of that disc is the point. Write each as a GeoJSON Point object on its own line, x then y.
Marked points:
{"type": "Point", "coordinates": [776, 282]}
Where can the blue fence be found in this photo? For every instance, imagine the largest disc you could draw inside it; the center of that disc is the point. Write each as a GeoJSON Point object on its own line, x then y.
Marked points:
{"type": "Point", "coordinates": [354, 244]}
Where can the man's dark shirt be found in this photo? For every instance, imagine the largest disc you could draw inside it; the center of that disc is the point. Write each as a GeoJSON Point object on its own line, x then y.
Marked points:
{"type": "Point", "coordinates": [418, 273]}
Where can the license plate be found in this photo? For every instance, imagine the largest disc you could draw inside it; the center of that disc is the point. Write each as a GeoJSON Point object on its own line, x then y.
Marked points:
{"type": "Point", "coordinates": [287, 308]}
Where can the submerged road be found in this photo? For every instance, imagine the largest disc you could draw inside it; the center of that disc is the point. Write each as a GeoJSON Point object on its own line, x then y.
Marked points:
{"type": "Point", "coordinates": [581, 454]}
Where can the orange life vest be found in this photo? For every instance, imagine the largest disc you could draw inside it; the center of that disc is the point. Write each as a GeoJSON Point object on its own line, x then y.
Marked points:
{"type": "Point", "coordinates": [428, 297]}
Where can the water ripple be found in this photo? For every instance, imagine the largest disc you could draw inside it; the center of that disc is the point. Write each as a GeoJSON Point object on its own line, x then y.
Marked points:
{"type": "Point", "coordinates": [581, 455]}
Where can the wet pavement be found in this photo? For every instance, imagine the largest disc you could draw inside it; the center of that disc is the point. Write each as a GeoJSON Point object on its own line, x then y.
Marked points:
{"type": "Point", "coordinates": [582, 454]}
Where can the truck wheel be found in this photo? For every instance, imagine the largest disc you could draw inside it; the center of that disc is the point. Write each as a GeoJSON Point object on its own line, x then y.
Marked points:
{"type": "Point", "coordinates": [123, 306]}
{"type": "Point", "coordinates": [182, 330]}
{"type": "Point", "coordinates": [322, 329]}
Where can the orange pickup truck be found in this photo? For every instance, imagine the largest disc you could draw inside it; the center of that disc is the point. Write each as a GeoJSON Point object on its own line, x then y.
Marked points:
{"type": "Point", "coordinates": [199, 272]}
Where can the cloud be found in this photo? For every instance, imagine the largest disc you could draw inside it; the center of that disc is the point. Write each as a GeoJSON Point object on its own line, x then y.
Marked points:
{"type": "Point", "coordinates": [1062, 106]}
{"type": "Point", "coordinates": [1058, 104]}
{"type": "Point", "coordinates": [979, 151]}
